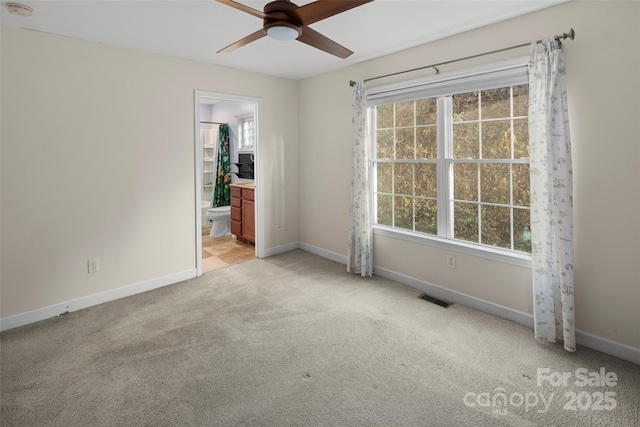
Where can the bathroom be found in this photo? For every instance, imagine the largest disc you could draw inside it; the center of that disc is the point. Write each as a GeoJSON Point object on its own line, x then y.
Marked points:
{"type": "Point", "coordinates": [218, 217]}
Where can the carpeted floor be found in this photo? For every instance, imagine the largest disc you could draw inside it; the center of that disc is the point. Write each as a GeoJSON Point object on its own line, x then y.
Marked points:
{"type": "Point", "coordinates": [295, 340]}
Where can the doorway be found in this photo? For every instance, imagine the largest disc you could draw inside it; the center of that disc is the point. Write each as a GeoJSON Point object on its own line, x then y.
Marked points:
{"type": "Point", "coordinates": [212, 110]}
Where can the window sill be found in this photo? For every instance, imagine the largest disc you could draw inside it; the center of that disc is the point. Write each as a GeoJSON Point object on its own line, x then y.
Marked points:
{"type": "Point", "coordinates": [494, 254]}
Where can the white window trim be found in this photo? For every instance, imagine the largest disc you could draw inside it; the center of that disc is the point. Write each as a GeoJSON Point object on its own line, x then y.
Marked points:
{"type": "Point", "coordinates": [519, 259]}
{"type": "Point", "coordinates": [490, 76]}
{"type": "Point", "coordinates": [241, 120]}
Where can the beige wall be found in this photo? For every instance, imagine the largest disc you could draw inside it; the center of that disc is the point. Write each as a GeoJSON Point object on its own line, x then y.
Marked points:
{"type": "Point", "coordinates": [603, 66]}
{"type": "Point", "coordinates": [98, 161]}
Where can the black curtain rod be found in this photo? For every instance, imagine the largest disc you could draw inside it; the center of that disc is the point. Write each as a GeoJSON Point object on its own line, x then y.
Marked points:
{"type": "Point", "coordinates": [570, 35]}
{"type": "Point", "coordinates": [214, 123]}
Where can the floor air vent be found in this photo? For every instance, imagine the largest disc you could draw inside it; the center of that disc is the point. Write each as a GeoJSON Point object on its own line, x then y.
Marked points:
{"type": "Point", "coordinates": [435, 301]}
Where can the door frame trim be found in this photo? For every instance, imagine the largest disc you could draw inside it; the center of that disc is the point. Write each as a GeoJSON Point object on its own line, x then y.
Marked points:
{"type": "Point", "coordinates": [258, 171]}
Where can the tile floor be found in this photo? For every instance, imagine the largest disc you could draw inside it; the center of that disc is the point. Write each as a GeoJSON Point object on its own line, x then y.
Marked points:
{"type": "Point", "coordinates": [219, 252]}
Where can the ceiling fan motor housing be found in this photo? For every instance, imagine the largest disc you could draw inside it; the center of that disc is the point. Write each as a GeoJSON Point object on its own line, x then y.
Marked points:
{"type": "Point", "coordinates": [284, 20]}
{"type": "Point", "coordinates": [278, 14]}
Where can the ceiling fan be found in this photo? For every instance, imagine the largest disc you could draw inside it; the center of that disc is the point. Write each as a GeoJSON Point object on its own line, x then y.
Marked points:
{"type": "Point", "coordinates": [283, 20]}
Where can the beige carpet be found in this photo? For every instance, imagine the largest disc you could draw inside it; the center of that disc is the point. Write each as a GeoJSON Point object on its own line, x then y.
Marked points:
{"type": "Point", "coordinates": [295, 340]}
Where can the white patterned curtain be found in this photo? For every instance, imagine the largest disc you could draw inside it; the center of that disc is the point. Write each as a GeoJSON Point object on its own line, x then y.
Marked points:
{"type": "Point", "coordinates": [551, 196]}
{"type": "Point", "coordinates": [360, 254]}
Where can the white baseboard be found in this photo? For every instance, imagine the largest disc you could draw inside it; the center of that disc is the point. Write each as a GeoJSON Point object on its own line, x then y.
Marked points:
{"type": "Point", "coordinates": [333, 256]}
{"type": "Point", "coordinates": [281, 249]}
{"type": "Point", "coordinates": [612, 348]}
{"type": "Point", "coordinates": [36, 315]}
{"type": "Point", "coordinates": [448, 295]}
{"type": "Point", "coordinates": [43, 313]}
{"type": "Point", "coordinates": [586, 339]}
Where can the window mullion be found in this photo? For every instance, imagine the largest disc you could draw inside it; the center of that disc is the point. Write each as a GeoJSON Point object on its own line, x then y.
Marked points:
{"type": "Point", "coordinates": [511, 202]}
{"type": "Point", "coordinates": [393, 172]}
{"type": "Point", "coordinates": [481, 157]}
{"type": "Point", "coordinates": [513, 148]}
{"type": "Point", "coordinates": [413, 167]}
{"type": "Point", "coordinates": [373, 164]}
{"type": "Point", "coordinates": [445, 167]}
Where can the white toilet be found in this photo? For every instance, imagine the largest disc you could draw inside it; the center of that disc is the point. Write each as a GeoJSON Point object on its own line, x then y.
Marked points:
{"type": "Point", "coordinates": [220, 221]}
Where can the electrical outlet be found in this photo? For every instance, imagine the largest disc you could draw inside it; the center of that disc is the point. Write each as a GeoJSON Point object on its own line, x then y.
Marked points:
{"type": "Point", "coordinates": [92, 266]}
{"type": "Point", "coordinates": [279, 227]}
{"type": "Point", "coordinates": [451, 261]}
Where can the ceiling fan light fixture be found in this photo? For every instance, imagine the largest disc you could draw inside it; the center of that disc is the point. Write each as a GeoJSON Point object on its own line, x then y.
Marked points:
{"type": "Point", "coordinates": [283, 32]}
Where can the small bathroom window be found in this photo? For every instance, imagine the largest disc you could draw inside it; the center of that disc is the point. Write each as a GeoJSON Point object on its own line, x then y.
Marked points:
{"type": "Point", "coordinates": [245, 132]}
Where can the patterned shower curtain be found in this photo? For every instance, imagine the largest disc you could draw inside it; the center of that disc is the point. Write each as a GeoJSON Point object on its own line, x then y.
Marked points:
{"type": "Point", "coordinates": [222, 191]}
{"type": "Point", "coordinates": [551, 196]}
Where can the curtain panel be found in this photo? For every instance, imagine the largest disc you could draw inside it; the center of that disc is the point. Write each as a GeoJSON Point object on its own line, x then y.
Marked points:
{"type": "Point", "coordinates": [551, 196]}
{"type": "Point", "coordinates": [360, 244]}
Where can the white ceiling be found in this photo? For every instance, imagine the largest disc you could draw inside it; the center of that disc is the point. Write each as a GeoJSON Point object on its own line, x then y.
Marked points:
{"type": "Point", "coordinates": [196, 29]}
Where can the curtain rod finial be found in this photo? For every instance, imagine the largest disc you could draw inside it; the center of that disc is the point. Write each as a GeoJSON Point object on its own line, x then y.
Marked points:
{"type": "Point", "coordinates": [352, 83]}
{"type": "Point", "coordinates": [570, 35]}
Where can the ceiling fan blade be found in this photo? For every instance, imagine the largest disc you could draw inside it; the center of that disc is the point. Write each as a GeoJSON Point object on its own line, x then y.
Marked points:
{"type": "Point", "coordinates": [244, 41]}
{"type": "Point", "coordinates": [243, 8]}
{"type": "Point", "coordinates": [317, 40]}
{"type": "Point", "coordinates": [321, 9]}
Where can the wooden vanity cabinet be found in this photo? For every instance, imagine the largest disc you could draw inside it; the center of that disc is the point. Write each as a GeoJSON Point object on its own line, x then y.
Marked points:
{"type": "Point", "coordinates": [248, 215]}
{"type": "Point", "coordinates": [236, 211]}
{"type": "Point", "coordinates": [243, 215]}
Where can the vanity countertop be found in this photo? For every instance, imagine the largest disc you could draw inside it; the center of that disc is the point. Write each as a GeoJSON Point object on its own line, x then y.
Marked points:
{"type": "Point", "coordinates": [244, 185]}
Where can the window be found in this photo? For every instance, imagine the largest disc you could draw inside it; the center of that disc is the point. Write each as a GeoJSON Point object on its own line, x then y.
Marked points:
{"type": "Point", "coordinates": [245, 133]}
{"type": "Point", "coordinates": [451, 161]}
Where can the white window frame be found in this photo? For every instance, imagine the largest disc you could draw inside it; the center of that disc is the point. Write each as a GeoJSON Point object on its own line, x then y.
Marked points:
{"type": "Point", "coordinates": [503, 74]}
{"type": "Point", "coordinates": [241, 134]}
